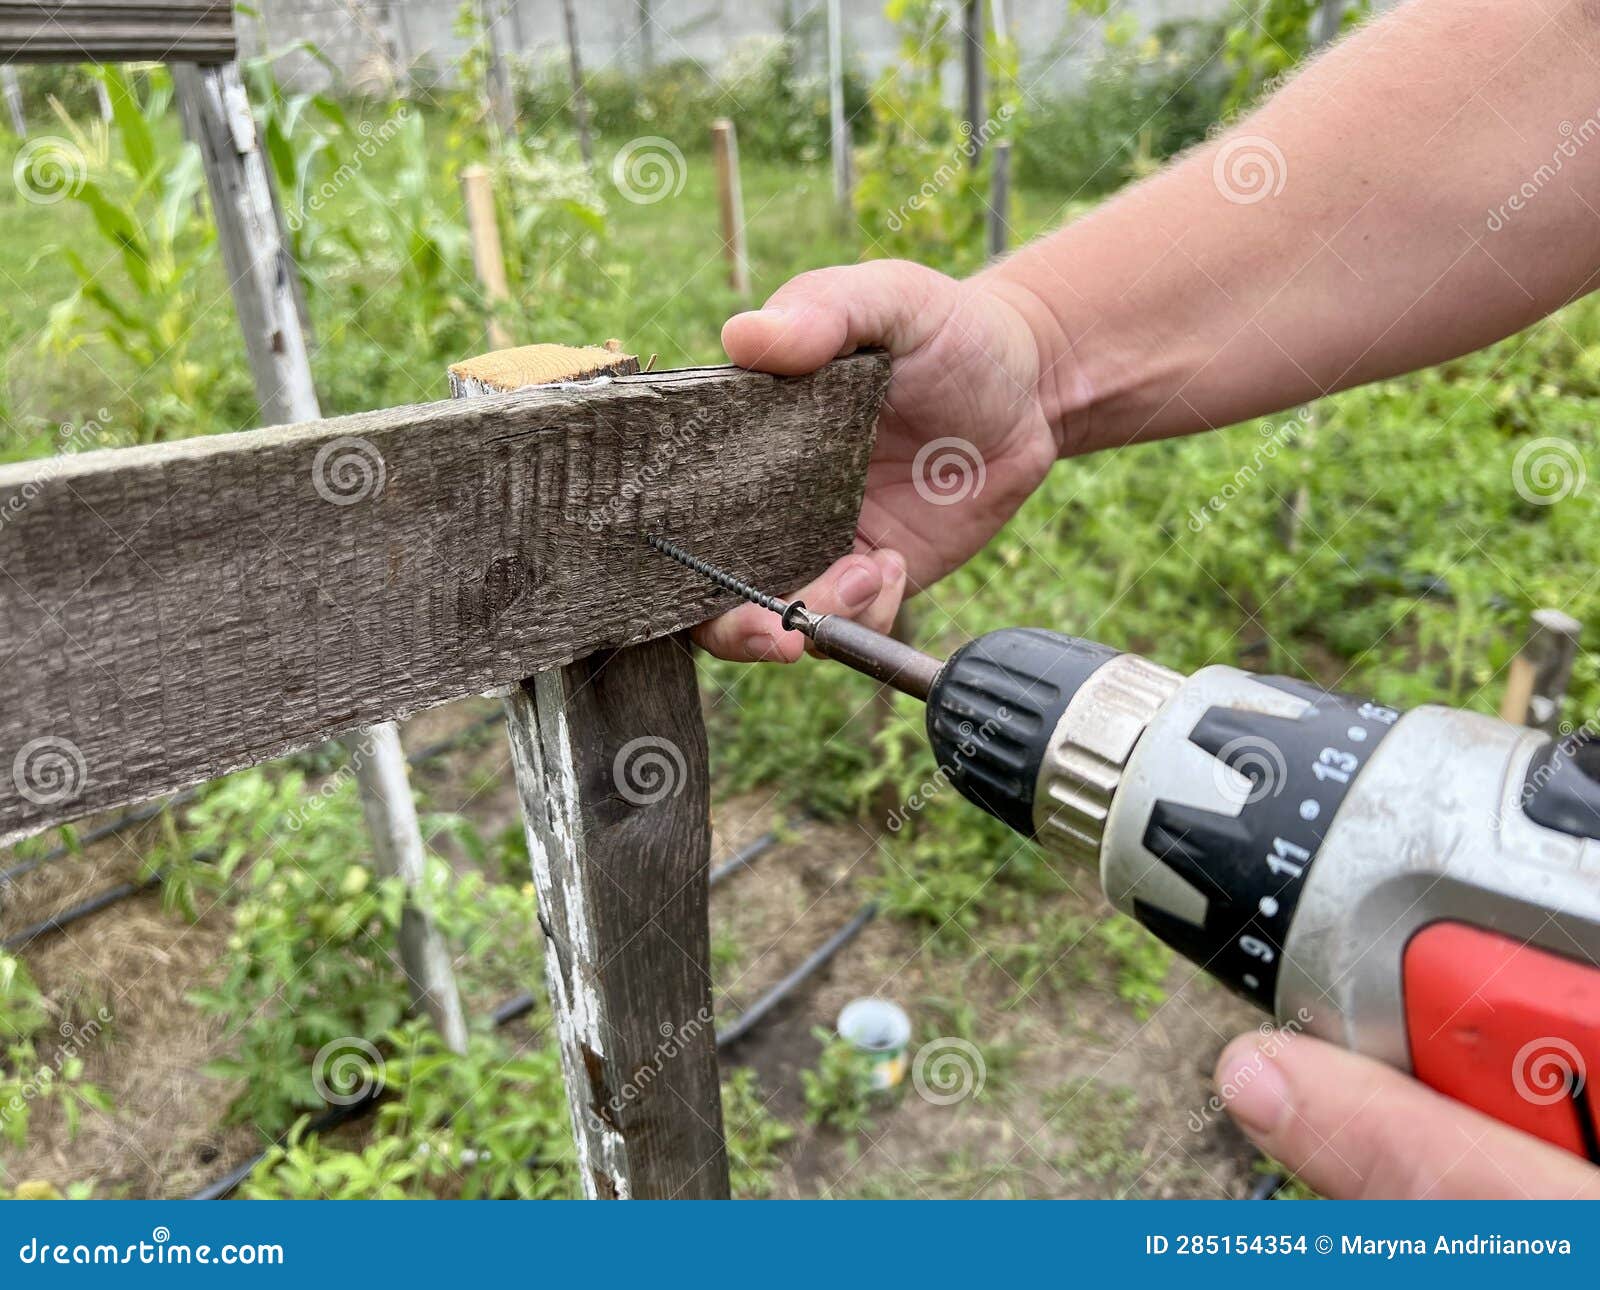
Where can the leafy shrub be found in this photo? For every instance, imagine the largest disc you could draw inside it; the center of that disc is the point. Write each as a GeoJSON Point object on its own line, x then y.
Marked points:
{"type": "Point", "coordinates": [838, 1090]}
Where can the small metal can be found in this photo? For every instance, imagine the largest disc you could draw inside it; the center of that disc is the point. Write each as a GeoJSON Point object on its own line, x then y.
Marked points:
{"type": "Point", "coordinates": [881, 1032]}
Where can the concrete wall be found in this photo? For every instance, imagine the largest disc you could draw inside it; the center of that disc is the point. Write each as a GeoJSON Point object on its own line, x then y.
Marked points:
{"type": "Point", "coordinates": [356, 34]}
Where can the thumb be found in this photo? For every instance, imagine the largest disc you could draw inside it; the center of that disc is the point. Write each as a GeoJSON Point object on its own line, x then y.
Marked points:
{"type": "Point", "coordinates": [1351, 1127]}
{"type": "Point", "coordinates": [829, 312]}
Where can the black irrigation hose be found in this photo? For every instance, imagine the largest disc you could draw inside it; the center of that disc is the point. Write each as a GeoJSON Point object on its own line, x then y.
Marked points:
{"type": "Point", "coordinates": [1267, 1187]}
{"type": "Point", "coordinates": [757, 1012]}
{"type": "Point", "coordinates": [743, 857]}
{"type": "Point", "coordinates": [63, 918]}
{"type": "Point", "coordinates": [138, 815]}
{"type": "Point", "coordinates": [439, 747]}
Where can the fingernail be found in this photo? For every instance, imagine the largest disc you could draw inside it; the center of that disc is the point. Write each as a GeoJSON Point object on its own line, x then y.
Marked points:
{"type": "Point", "coordinates": [857, 586]}
{"type": "Point", "coordinates": [1252, 1087]}
{"type": "Point", "coordinates": [759, 645]}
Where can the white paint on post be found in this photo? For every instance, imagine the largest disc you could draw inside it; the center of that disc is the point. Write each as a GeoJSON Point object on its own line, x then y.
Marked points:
{"type": "Point", "coordinates": [839, 128]}
{"type": "Point", "coordinates": [730, 201]}
{"type": "Point", "coordinates": [217, 115]}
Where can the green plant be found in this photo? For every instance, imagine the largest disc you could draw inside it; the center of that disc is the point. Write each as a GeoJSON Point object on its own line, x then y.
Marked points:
{"type": "Point", "coordinates": [142, 202]}
{"type": "Point", "coordinates": [1268, 37]}
{"type": "Point", "coordinates": [838, 1091]}
{"type": "Point", "coordinates": [754, 1135]}
{"type": "Point", "coordinates": [32, 1074]}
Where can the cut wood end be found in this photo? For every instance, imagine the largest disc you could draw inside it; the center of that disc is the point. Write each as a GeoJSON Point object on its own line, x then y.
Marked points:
{"type": "Point", "coordinates": [512, 369]}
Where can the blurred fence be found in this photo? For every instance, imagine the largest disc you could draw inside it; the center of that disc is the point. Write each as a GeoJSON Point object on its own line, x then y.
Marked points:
{"type": "Point", "coordinates": [360, 39]}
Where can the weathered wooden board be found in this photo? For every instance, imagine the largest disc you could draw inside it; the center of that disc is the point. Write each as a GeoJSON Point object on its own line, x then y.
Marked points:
{"type": "Point", "coordinates": [612, 771]}
{"type": "Point", "coordinates": [105, 31]}
{"type": "Point", "coordinates": [170, 613]}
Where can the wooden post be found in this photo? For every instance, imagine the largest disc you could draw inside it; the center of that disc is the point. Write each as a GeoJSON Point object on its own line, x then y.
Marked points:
{"type": "Point", "coordinates": [13, 93]}
{"type": "Point", "coordinates": [580, 96]}
{"type": "Point", "coordinates": [217, 115]}
{"type": "Point", "coordinates": [1330, 13]}
{"type": "Point", "coordinates": [973, 69]}
{"type": "Point", "coordinates": [1539, 674]}
{"type": "Point", "coordinates": [839, 129]}
{"type": "Point", "coordinates": [730, 199]}
{"type": "Point", "coordinates": [502, 107]}
{"type": "Point", "coordinates": [646, 35]}
{"type": "Point", "coordinates": [379, 763]}
{"type": "Point", "coordinates": [488, 260]}
{"type": "Point", "coordinates": [1000, 197]}
{"type": "Point", "coordinates": [612, 772]}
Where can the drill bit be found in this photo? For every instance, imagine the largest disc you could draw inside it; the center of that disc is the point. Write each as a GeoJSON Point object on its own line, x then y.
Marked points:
{"type": "Point", "coordinates": [881, 657]}
{"type": "Point", "coordinates": [725, 580]}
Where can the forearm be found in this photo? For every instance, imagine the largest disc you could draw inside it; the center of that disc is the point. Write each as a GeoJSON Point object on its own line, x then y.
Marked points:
{"type": "Point", "coordinates": [1430, 185]}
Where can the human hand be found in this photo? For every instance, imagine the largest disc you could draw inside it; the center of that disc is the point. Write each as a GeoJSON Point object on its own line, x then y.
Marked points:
{"type": "Point", "coordinates": [1353, 1128]}
{"type": "Point", "coordinates": [966, 371]}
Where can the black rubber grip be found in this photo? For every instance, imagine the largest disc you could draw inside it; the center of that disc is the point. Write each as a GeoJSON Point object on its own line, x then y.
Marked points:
{"type": "Point", "coordinates": [994, 707]}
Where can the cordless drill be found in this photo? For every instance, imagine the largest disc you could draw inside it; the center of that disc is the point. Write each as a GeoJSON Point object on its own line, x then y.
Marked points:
{"type": "Point", "coordinates": [1421, 887]}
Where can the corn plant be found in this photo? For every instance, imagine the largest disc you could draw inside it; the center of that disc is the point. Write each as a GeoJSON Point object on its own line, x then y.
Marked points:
{"type": "Point", "coordinates": [142, 203]}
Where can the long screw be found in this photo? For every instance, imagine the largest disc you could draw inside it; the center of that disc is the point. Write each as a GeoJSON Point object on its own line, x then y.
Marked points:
{"type": "Point", "coordinates": [725, 580]}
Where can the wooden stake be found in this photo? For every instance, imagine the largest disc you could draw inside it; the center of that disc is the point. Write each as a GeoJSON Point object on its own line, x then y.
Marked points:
{"type": "Point", "coordinates": [1540, 673]}
{"type": "Point", "coordinates": [1000, 197]}
{"type": "Point", "coordinates": [488, 259]}
{"type": "Point", "coordinates": [502, 105]}
{"type": "Point", "coordinates": [838, 127]}
{"type": "Point", "coordinates": [13, 93]}
{"type": "Point", "coordinates": [217, 116]}
{"type": "Point", "coordinates": [730, 199]}
{"type": "Point", "coordinates": [973, 67]}
{"type": "Point", "coordinates": [580, 96]}
{"type": "Point", "coordinates": [379, 764]}
{"type": "Point", "coordinates": [1329, 15]}
{"type": "Point", "coordinates": [613, 777]}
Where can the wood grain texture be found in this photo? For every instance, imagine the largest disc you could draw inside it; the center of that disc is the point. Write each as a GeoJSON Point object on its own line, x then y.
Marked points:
{"type": "Point", "coordinates": [103, 31]}
{"type": "Point", "coordinates": [611, 767]}
{"type": "Point", "coordinates": [503, 370]}
{"type": "Point", "coordinates": [170, 613]}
